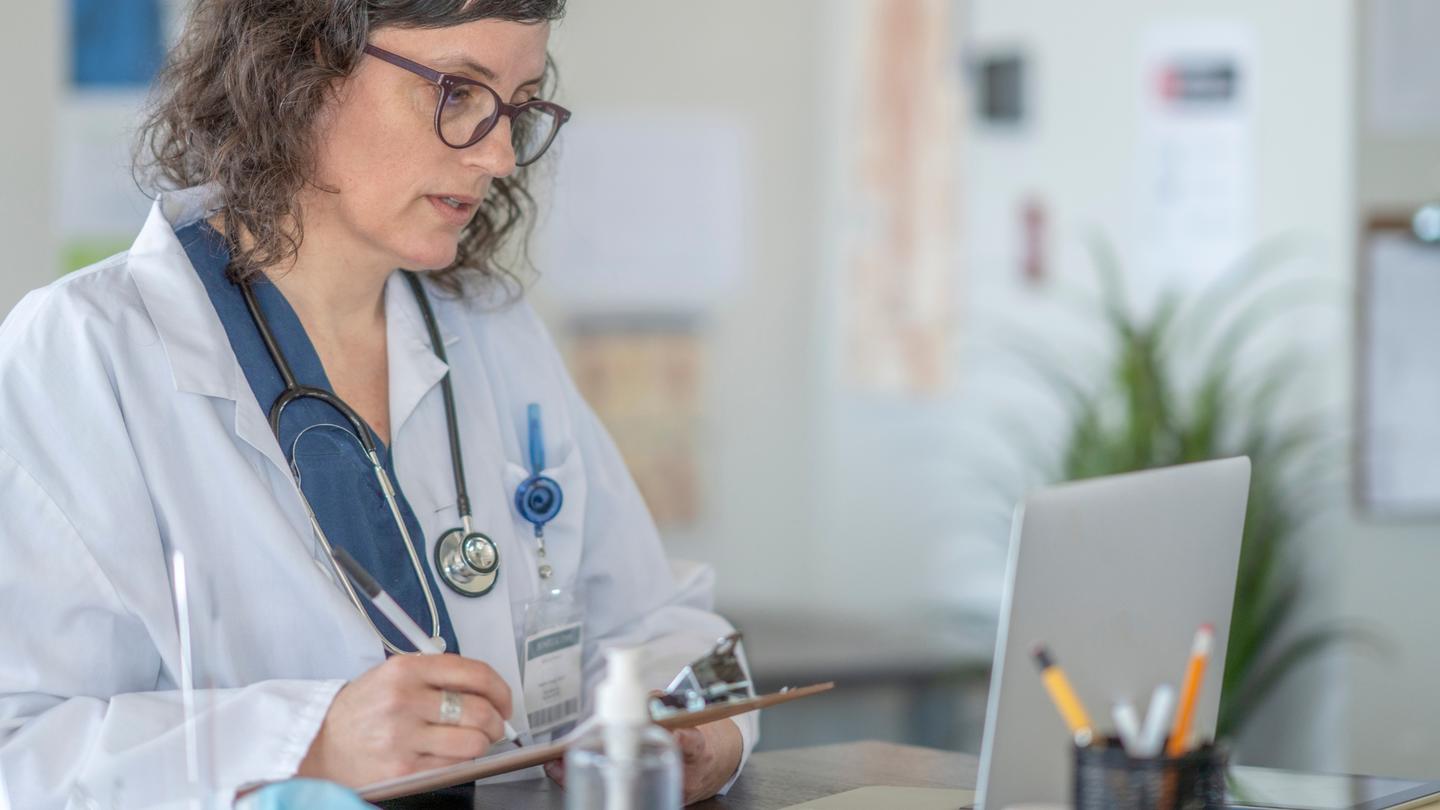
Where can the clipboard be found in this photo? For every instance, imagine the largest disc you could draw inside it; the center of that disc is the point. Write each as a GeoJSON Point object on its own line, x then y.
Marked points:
{"type": "Point", "coordinates": [463, 772]}
{"type": "Point", "coordinates": [1396, 390]}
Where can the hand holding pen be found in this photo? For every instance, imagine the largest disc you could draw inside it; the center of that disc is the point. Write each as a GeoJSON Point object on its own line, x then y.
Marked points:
{"type": "Point", "coordinates": [408, 713]}
{"type": "Point", "coordinates": [424, 644]}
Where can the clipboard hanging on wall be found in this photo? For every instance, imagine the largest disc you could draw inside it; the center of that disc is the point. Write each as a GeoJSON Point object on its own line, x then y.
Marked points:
{"type": "Point", "coordinates": [1397, 372]}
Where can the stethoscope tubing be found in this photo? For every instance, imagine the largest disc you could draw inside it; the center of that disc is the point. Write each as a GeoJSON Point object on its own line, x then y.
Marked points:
{"type": "Point", "coordinates": [293, 392]}
{"type": "Point", "coordinates": [447, 392]}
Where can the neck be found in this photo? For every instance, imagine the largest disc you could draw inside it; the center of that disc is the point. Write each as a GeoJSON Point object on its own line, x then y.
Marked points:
{"type": "Point", "coordinates": [333, 297]}
{"type": "Point", "coordinates": [337, 293]}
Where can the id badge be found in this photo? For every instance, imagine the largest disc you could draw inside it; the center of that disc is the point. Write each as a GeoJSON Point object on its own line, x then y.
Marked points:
{"type": "Point", "coordinates": [550, 659]}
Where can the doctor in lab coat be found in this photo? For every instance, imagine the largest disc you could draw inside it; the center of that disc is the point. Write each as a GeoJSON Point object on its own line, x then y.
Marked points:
{"type": "Point", "coordinates": [131, 427]}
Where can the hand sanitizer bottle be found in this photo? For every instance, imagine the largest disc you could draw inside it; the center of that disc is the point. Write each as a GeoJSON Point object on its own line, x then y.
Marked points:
{"type": "Point", "coordinates": [623, 761]}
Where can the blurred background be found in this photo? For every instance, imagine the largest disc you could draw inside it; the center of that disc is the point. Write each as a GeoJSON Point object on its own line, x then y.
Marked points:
{"type": "Point", "coordinates": [846, 278]}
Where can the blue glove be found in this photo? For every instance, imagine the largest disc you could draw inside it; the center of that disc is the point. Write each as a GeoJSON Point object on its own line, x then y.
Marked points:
{"type": "Point", "coordinates": [305, 794]}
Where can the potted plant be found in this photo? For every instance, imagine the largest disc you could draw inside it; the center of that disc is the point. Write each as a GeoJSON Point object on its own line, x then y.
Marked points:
{"type": "Point", "coordinates": [1183, 385]}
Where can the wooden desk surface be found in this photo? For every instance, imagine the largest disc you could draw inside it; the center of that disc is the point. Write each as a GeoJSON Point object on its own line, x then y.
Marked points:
{"type": "Point", "coordinates": [776, 779]}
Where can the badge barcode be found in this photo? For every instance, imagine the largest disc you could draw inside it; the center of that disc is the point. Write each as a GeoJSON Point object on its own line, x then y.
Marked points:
{"type": "Point", "coordinates": [554, 714]}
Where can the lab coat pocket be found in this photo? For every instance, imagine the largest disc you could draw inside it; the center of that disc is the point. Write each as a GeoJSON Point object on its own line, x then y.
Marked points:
{"type": "Point", "coordinates": [563, 534]}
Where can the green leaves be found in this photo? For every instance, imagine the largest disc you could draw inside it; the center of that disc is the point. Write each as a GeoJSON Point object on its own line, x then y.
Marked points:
{"type": "Point", "coordinates": [1184, 384]}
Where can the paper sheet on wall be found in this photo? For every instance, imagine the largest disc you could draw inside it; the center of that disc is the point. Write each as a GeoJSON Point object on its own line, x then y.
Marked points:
{"type": "Point", "coordinates": [1402, 65]}
{"type": "Point", "coordinates": [1195, 158]}
{"type": "Point", "coordinates": [647, 213]}
{"type": "Point", "coordinates": [1400, 415]}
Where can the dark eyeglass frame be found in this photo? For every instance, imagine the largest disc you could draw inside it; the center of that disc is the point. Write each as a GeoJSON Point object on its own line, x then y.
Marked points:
{"type": "Point", "coordinates": [449, 82]}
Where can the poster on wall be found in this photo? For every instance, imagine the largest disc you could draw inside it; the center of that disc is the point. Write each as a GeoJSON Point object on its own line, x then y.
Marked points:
{"type": "Point", "coordinates": [642, 375]}
{"type": "Point", "coordinates": [899, 257]}
{"type": "Point", "coordinates": [114, 50]}
{"type": "Point", "coordinates": [1195, 160]}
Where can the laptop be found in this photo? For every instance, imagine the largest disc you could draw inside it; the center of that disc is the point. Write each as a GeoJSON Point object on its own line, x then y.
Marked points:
{"type": "Point", "coordinates": [1114, 575]}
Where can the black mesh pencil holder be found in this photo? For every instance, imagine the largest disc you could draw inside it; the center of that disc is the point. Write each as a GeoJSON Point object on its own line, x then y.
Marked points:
{"type": "Point", "coordinates": [1106, 778]}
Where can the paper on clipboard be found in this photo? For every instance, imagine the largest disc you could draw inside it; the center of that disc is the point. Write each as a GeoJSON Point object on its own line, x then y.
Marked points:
{"type": "Point", "coordinates": [1400, 436]}
{"type": "Point", "coordinates": [539, 754]}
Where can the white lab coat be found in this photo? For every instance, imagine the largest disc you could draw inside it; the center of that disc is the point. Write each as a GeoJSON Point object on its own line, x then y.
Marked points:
{"type": "Point", "coordinates": [128, 429]}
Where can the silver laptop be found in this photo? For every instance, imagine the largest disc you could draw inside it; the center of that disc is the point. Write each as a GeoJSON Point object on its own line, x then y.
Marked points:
{"type": "Point", "coordinates": [1114, 575]}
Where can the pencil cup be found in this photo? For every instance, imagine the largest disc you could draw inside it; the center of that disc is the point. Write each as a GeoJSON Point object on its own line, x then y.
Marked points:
{"type": "Point", "coordinates": [1106, 778]}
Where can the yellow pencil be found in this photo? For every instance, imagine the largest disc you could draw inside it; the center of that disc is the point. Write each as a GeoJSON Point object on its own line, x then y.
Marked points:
{"type": "Point", "coordinates": [1190, 690]}
{"type": "Point", "coordinates": [1066, 701]}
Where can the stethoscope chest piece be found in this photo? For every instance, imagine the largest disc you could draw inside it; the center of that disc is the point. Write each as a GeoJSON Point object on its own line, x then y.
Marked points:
{"type": "Point", "coordinates": [468, 562]}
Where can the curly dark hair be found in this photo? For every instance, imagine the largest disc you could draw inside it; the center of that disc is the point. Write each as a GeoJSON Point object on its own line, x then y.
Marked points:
{"type": "Point", "coordinates": [240, 93]}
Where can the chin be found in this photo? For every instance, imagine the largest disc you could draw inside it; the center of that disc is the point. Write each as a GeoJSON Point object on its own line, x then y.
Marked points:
{"type": "Point", "coordinates": [430, 257]}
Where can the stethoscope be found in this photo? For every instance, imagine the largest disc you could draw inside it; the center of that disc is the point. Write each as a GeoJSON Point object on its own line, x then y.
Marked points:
{"type": "Point", "coordinates": [467, 560]}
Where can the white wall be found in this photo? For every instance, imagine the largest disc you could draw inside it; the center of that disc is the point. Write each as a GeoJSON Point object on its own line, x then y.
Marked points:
{"type": "Point", "coordinates": [31, 69]}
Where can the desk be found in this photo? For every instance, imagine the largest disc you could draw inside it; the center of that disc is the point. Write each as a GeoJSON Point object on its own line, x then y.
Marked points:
{"type": "Point", "coordinates": [775, 779]}
{"type": "Point", "coordinates": [922, 680]}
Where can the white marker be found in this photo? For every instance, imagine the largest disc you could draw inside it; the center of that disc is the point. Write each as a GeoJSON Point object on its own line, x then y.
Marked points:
{"type": "Point", "coordinates": [391, 610]}
{"type": "Point", "coordinates": [1157, 720]}
{"type": "Point", "coordinates": [1127, 725]}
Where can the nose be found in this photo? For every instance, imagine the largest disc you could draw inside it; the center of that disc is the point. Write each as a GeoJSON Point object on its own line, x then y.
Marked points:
{"type": "Point", "coordinates": [495, 153]}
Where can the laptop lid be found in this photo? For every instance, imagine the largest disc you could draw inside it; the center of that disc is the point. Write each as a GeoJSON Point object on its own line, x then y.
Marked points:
{"type": "Point", "coordinates": [1114, 575]}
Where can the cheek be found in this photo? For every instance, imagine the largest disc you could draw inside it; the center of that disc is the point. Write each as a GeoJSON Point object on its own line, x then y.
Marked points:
{"type": "Point", "coordinates": [374, 161]}
{"type": "Point", "coordinates": [383, 159]}
{"type": "Point", "coordinates": [366, 140]}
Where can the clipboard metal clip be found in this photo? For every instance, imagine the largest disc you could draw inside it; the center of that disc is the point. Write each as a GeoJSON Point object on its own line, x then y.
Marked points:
{"type": "Point", "coordinates": [717, 677]}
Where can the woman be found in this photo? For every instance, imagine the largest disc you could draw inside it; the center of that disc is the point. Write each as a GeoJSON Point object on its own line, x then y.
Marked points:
{"type": "Point", "coordinates": [151, 407]}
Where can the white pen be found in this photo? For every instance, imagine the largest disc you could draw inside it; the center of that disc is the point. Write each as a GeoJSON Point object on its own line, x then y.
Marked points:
{"type": "Point", "coordinates": [391, 610]}
{"type": "Point", "coordinates": [1127, 725]}
{"type": "Point", "coordinates": [1157, 720]}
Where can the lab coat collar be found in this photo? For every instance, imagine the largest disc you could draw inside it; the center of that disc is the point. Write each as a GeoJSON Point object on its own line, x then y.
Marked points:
{"type": "Point", "coordinates": [414, 368]}
{"type": "Point", "coordinates": [175, 297]}
{"type": "Point", "coordinates": [195, 341]}
{"type": "Point", "coordinates": [191, 331]}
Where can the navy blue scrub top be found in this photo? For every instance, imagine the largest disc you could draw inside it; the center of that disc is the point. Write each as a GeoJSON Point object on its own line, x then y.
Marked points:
{"type": "Point", "coordinates": [335, 475]}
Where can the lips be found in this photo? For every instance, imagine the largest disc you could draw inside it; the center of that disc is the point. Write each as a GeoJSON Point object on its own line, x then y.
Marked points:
{"type": "Point", "coordinates": [454, 208]}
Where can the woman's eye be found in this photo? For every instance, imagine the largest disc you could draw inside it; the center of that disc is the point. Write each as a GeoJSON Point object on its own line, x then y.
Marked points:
{"type": "Point", "coordinates": [460, 96]}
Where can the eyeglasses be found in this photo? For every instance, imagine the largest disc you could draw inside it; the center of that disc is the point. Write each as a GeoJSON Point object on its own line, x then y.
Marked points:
{"type": "Point", "coordinates": [468, 110]}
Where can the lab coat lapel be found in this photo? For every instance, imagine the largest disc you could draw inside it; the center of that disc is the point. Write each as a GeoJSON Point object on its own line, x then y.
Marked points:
{"type": "Point", "coordinates": [195, 342]}
{"type": "Point", "coordinates": [414, 368]}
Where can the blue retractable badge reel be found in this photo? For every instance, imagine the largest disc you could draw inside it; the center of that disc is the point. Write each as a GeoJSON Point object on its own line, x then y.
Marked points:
{"type": "Point", "coordinates": [539, 497]}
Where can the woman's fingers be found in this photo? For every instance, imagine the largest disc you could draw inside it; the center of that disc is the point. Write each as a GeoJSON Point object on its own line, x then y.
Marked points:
{"type": "Point", "coordinates": [427, 762]}
{"type": "Point", "coordinates": [461, 675]}
{"type": "Point", "coordinates": [692, 742]}
{"type": "Point", "coordinates": [475, 712]}
{"type": "Point", "coordinates": [555, 769]}
{"type": "Point", "coordinates": [456, 743]}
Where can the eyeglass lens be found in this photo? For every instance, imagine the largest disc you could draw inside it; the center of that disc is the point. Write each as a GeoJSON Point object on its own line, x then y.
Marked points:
{"type": "Point", "coordinates": [466, 110]}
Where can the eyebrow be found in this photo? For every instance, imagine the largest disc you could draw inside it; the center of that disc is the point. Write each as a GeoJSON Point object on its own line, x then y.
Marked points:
{"type": "Point", "coordinates": [459, 60]}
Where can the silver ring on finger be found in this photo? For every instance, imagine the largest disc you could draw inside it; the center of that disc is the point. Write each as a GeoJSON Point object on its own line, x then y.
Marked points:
{"type": "Point", "coordinates": [449, 708]}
